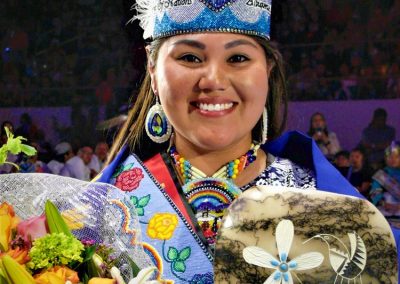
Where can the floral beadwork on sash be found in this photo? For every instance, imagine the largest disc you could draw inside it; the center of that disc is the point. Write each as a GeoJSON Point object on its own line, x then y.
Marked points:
{"type": "Point", "coordinates": [165, 237]}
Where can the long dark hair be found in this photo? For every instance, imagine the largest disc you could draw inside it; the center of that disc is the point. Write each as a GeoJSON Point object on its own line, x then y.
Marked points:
{"type": "Point", "coordinates": [133, 131]}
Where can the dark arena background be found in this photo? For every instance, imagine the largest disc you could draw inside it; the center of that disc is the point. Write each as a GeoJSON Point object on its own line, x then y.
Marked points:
{"type": "Point", "coordinates": [68, 66]}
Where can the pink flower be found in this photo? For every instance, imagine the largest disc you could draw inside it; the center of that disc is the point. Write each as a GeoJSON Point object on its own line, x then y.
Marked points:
{"type": "Point", "coordinates": [32, 228]}
{"type": "Point", "coordinates": [129, 180]}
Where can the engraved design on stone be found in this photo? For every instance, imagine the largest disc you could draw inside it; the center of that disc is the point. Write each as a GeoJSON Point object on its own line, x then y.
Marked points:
{"type": "Point", "coordinates": [347, 263]}
{"type": "Point", "coordinates": [283, 267]}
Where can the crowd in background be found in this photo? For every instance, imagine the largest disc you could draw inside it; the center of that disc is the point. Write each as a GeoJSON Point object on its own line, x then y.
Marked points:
{"type": "Point", "coordinates": [69, 53]}
{"type": "Point", "coordinates": [64, 53]}
{"type": "Point", "coordinates": [341, 50]}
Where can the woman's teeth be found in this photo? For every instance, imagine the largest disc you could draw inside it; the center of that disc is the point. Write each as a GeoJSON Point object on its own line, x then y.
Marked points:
{"type": "Point", "coordinates": [215, 107]}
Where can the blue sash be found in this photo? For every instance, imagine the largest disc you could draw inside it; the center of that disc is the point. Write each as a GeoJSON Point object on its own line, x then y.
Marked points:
{"type": "Point", "coordinates": [293, 145]}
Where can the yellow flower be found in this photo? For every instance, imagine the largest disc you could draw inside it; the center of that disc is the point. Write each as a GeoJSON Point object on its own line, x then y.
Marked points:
{"type": "Point", "coordinates": [57, 275]}
{"type": "Point", "coordinates": [8, 222]}
{"type": "Point", "coordinates": [162, 226]}
{"type": "Point", "coordinates": [97, 280]}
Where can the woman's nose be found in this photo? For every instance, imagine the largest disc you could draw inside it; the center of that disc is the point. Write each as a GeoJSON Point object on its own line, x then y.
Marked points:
{"type": "Point", "coordinates": [214, 78]}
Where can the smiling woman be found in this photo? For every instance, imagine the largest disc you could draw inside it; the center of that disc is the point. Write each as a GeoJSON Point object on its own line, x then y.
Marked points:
{"type": "Point", "coordinates": [206, 124]}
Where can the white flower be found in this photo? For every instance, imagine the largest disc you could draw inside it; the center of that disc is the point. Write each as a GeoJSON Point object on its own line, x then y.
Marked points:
{"type": "Point", "coordinates": [116, 274]}
{"type": "Point", "coordinates": [143, 275]}
{"type": "Point", "coordinates": [284, 237]}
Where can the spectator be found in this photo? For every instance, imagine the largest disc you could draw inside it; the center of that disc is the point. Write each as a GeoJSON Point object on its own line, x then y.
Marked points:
{"type": "Point", "coordinates": [376, 137]}
{"type": "Point", "coordinates": [327, 140]}
{"type": "Point", "coordinates": [99, 158]}
{"type": "Point", "coordinates": [385, 189]}
{"type": "Point", "coordinates": [63, 152]}
{"type": "Point", "coordinates": [3, 134]}
{"type": "Point", "coordinates": [360, 172]}
{"type": "Point", "coordinates": [342, 163]}
{"type": "Point", "coordinates": [77, 166]}
{"type": "Point", "coordinates": [26, 129]}
{"type": "Point", "coordinates": [33, 164]}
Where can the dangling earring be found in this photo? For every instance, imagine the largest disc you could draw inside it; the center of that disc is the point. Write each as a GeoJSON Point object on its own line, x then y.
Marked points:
{"type": "Point", "coordinates": [157, 125]}
{"type": "Point", "coordinates": [264, 125]}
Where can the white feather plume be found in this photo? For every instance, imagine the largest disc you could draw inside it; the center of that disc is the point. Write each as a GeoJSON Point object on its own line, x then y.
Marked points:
{"type": "Point", "coordinates": [146, 14]}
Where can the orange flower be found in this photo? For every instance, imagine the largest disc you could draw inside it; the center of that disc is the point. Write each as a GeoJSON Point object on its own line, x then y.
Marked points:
{"type": "Point", "coordinates": [97, 280]}
{"type": "Point", "coordinates": [20, 255]}
{"type": "Point", "coordinates": [8, 222]}
{"type": "Point", "coordinates": [162, 226]}
{"type": "Point", "coordinates": [57, 275]}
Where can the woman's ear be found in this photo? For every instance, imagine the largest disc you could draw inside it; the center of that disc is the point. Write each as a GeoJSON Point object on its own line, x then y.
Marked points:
{"type": "Point", "coordinates": [151, 67]}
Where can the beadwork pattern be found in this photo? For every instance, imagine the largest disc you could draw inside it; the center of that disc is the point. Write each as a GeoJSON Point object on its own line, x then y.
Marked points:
{"type": "Point", "coordinates": [229, 171]}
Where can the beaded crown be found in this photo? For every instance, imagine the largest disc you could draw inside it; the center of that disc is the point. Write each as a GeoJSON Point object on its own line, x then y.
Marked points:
{"type": "Point", "coordinates": [162, 18]}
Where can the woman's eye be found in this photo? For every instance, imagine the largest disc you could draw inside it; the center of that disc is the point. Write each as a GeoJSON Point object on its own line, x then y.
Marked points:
{"type": "Point", "coordinates": [190, 58]}
{"type": "Point", "coordinates": [238, 58]}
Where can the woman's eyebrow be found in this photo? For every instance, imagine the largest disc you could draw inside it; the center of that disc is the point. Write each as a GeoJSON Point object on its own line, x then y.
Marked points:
{"type": "Point", "coordinates": [239, 42]}
{"type": "Point", "coordinates": [192, 43]}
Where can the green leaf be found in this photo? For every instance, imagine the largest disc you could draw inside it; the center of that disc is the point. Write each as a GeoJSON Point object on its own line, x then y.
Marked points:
{"type": "Point", "coordinates": [3, 154]}
{"type": "Point", "coordinates": [128, 167]}
{"type": "Point", "coordinates": [134, 200]}
{"type": "Point", "coordinates": [118, 171]}
{"type": "Point", "coordinates": [140, 211]}
{"type": "Point", "coordinates": [54, 219]}
{"type": "Point", "coordinates": [144, 201]}
{"type": "Point", "coordinates": [14, 145]}
{"type": "Point", "coordinates": [28, 150]}
{"type": "Point", "coordinates": [172, 253]}
{"type": "Point", "coordinates": [184, 254]}
{"type": "Point", "coordinates": [179, 266]}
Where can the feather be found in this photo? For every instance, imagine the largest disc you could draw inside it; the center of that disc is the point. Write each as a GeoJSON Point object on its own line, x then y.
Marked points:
{"type": "Point", "coordinates": [146, 14]}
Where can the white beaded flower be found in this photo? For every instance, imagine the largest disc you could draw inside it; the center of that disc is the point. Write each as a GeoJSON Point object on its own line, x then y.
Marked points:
{"type": "Point", "coordinates": [283, 267]}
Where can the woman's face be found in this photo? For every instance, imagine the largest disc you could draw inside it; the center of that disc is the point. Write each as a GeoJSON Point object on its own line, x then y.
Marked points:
{"type": "Point", "coordinates": [393, 160]}
{"type": "Point", "coordinates": [318, 121]}
{"type": "Point", "coordinates": [212, 86]}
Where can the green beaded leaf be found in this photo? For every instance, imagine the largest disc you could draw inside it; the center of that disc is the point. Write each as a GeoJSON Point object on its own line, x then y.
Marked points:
{"type": "Point", "coordinates": [128, 167]}
{"type": "Point", "coordinates": [179, 266]}
{"type": "Point", "coordinates": [118, 171]}
{"type": "Point", "coordinates": [172, 254]}
{"type": "Point", "coordinates": [144, 201]}
{"type": "Point", "coordinates": [134, 200]}
{"type": "Point", "coordinates": [140, 211]}
{"type": "Point", "coordinates": [184, 254]}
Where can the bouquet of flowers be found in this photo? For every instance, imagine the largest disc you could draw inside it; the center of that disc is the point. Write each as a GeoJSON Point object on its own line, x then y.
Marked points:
{"type": "Point", "coordinates": [56, 229]}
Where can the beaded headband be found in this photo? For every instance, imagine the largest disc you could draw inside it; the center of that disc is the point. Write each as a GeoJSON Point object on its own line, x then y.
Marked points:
{"type": "Point", "coordinates": [162, 18]}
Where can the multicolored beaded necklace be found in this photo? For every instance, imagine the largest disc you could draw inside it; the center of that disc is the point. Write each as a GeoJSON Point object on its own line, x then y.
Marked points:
{"type": "Point", "coordinates": [209, 197]}
{"type": "Point", "coordinates": [228, 171]}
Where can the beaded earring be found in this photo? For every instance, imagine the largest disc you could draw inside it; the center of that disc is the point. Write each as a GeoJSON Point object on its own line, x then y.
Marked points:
{"type": "Point", "coordinates": [264, 125]}
{"type": "Point", "coordinates": [157, 125]}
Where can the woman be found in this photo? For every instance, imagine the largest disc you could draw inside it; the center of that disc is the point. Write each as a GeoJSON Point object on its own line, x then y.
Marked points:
{"type": "Point", "coordinates": [217, 83]}
{"type": "Point", "coordinates": [385, 188]}
{"type": "Point", "coordinates": [327, 140]}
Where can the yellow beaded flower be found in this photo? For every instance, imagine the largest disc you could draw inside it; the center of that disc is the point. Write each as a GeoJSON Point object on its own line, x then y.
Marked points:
{"type": "Point", "coordinates": [162, 226]}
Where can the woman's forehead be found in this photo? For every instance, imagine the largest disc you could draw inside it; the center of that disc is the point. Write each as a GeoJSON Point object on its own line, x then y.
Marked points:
{"type": "Point", "coordinates": [215, 38]}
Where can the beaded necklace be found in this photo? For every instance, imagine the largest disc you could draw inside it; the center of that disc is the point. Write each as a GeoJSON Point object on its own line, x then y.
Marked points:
{"type": "Point", "coordinates": [228, 171]}
{"type": "Point", "coordinates": [210, 196]}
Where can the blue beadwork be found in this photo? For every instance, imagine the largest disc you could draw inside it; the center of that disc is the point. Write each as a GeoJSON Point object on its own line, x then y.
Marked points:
{"type": "Point", "coordinates": [216, 17]}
